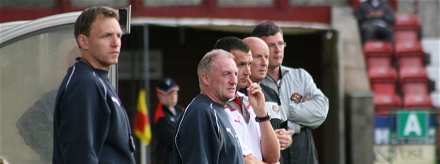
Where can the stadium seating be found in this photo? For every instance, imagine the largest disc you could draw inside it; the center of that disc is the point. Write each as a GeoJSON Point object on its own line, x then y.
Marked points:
{"type": "Point", "coordinates": [378, 54]}
{"type": "Point", "coordinates": [405, 21]}
{"type": "Point", "coordinates": [378, 48]}
{"type": "Point", "coordinates": [406, 35]}
{"type": "Point", "coordinates": [410, 61]}
{"type": "Point", "coordinates": [408, 48]}
{"type": "Point", "coordinates": [384, 103]}
{"type": "Point", "coordinates": [383, 84]}
{"type": "Point", "coordinates": [419, 87]}
{"type": "Point", "coordinates": [378, 62]}
{"type": "Point", "coordinates": [413, 75]}
{"type": "Point", "coordinates": [408, 87]}
{"type": "Point", "coordinates": [382, 75]}
{"type": "Point", "coordinates": [417, 101]}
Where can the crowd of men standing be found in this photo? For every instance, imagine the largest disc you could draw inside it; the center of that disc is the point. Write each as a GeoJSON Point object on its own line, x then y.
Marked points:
{"type": "Point", "coordinates": [250, 109]}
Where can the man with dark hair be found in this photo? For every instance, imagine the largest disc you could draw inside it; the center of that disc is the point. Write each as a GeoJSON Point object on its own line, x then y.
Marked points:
{"type": "Point", "coordinates": [204, 134]}
{"type": "Point", "coordinates": [250, 119]}
{"type": "Point", "coordinates": [305, 107]}
{"type": "Point", "coordinates": [90, 123]}
{"type": "Point", "coordinates": [232, 44]}
{"type": "Point", "coordinates": [375, 18]}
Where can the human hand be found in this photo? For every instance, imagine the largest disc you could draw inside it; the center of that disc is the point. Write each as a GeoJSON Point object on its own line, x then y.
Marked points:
{"type": "Point", "coordinates": [256, 98]}
{"type": "Point", "coordinates": [370, 14]}
{"type": "Point", "coordinates": [305, 99]}
{"type": "Point", "coordinates": [378, 14]}
{"type": "Point", "coordinates": [284, 137]}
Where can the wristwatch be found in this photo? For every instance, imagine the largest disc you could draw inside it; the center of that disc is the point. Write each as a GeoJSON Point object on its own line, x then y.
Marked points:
{"type": "Point", "coordinates": [262, 119]}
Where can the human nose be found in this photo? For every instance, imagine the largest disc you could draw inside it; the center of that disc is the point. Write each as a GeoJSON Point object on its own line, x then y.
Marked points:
{"type": "Point", "coordinates": [233, 79]}
{"type": "Point", "coordinates": [265, 62]}
{"type": "Point", "coordinates": [247, 70]}
{"type": "Point", "coordinates": [116, 41]}
{"type": "Point", "coordinates": [279, 47]}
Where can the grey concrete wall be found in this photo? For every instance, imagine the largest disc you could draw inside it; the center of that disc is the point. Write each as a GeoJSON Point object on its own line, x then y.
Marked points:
{"type": "Point", "coordinates": [360, 127]}
{"type": "Point", "coordinates": [429, 12]}
{"type": "Point", "coordinates": [359, 107]}
{"type": "Point", "coordinates": [350, 45]}
{"type": "Point", "coordinates": [429, 15]}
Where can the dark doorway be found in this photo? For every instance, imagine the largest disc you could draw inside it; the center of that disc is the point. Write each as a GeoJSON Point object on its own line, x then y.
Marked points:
{"type": "Point", "coordinates": [183, 47]}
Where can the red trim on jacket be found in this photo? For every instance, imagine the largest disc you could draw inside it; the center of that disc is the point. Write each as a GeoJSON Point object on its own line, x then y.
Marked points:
{"type": "Point", "coordinates": [159, 112]}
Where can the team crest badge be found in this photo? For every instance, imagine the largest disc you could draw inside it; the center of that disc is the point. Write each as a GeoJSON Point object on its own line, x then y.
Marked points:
{"type": "Point", "coordinates": [296, 97]}
{"type": "Point", "coordinates": [275, 109]}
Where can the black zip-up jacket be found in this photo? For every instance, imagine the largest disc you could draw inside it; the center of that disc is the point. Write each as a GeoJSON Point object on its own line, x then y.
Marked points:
{"type": "Point", "coordinates": [164, 126]}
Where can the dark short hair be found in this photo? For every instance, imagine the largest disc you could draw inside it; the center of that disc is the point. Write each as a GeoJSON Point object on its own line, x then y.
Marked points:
{"type": "Point", "coordinates": [85, 20]}
{"type": "Point", "coordinates": [266, 29]}
{"type": "Point", "coordinates": [231, 43]}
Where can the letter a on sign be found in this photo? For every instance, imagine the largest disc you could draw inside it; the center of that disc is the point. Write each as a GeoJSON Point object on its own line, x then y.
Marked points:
{"type": "Point", "coordinates": [412, 124]}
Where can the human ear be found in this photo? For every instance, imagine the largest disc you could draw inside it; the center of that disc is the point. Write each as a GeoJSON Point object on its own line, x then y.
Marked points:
{"type": "Point", "coordinates": [205, 79]}
{"type": "Point", "coordinates": [83, 41]}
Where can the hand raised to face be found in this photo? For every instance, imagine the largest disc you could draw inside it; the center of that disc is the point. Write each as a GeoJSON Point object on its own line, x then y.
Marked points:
{"type": "Point", "coordinates": [256, 98]}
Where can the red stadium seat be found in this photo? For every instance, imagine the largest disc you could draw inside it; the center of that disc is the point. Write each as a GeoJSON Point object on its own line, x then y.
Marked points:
{"type": "Point", "coordinates": [417, 101]}
{"type": "Point", "coordinates": [378, 48]}
{"type": "Point", "coordinates": [406, 35]}
{"type": "Point", "coordinates": [413, 74]}
{"type": "Point", "coordinates": [382, 75]}
{"type": "Point", "coordinates": [408, 48]}
{"type": "Point", "coordinates": [384, 88]}
{"type": "Point", "coordinates": [410, 61]}
{"type": "Point", "coordinates": [383, 84]}
{"type": "Point", "coordinates": [420, 87]}
{"type": "Point", "coordinates": [378, 62]}
{"type": "Point", "coordinates": [407, 22]}
{"type": "Point", "coordinates": [384, 103]}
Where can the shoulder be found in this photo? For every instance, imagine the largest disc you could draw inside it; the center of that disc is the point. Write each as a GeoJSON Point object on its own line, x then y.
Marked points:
{"type": "Point", "coordinates": [200, 114]}
{"type": "Point", "coordinates": [200, 106]}
{"type": "Point", "coordinates": [82, 76]}
{"type": "Point", "coordinates": [294, 71]}
{"type": "Point", "coordinates": [267, 90]}
{"type": "Point", "coordinates": [78, 85]}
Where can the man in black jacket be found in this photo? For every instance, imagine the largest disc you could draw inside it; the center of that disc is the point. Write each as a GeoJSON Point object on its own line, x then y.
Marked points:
{"type": "Point", "coordinates": [90, 123]}
{"type": "Point", "coordinates": [375, 18]}
{"type": "Point", "coordinates": [165, 119]}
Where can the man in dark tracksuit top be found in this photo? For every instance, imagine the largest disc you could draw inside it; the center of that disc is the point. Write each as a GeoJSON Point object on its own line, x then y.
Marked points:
{"type": "Point", "coordinates": [90, 124]}
{"type": "Point", "coordinates": [204, 134]}
{"type": "Point", "coordinates": [165, 119]}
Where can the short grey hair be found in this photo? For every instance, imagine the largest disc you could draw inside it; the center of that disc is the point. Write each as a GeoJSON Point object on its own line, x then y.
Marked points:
{"type": "Point", "coordinates": [206, 64]}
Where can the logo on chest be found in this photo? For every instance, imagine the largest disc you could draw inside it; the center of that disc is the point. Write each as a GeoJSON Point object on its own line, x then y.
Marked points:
{"type": "Point", "coordinates": [296, 97]}
{"type": "Point", "coordinates": [238, 121]}
{"type": "Point", "coordinates": [275, 109]}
